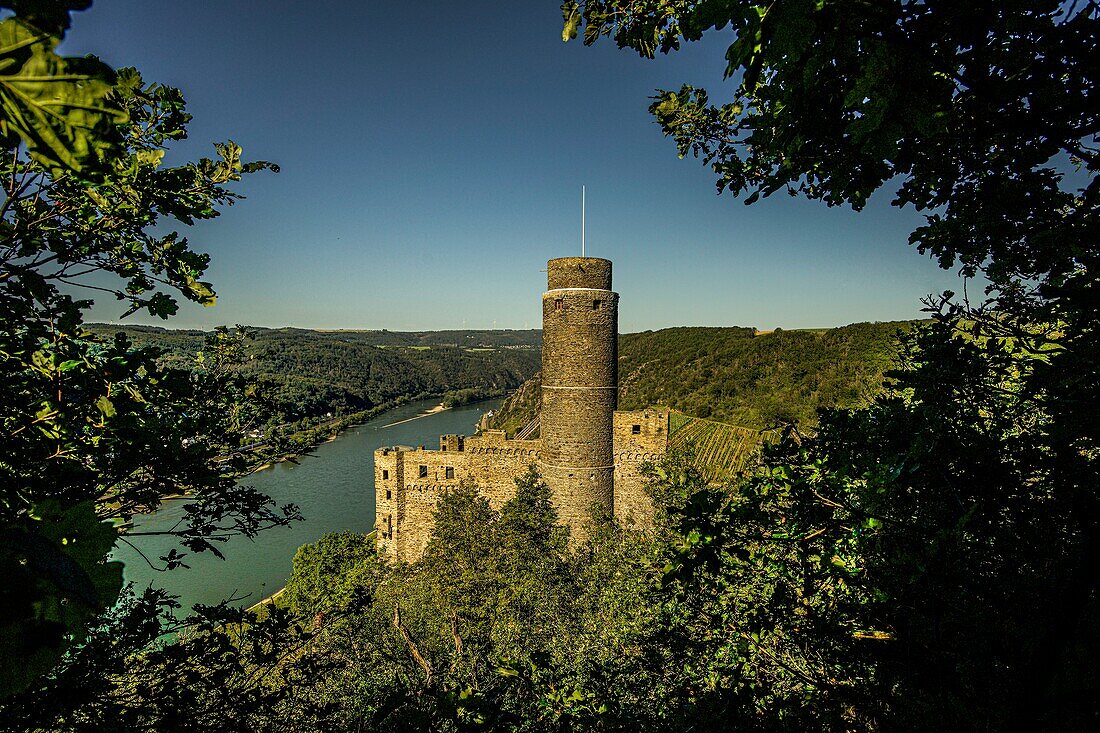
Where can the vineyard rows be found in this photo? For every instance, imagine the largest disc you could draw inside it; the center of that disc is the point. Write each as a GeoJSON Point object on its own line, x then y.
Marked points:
{"type": "Point", "coordinates": [720, 450]}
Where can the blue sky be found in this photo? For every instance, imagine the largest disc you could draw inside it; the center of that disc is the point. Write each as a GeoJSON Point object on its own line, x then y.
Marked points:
{"type": "Point", "coordinates": [432, 156]}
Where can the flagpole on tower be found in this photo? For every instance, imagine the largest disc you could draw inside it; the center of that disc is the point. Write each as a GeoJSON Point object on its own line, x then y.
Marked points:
{"type": "Point", "coordinates": [582, 220]}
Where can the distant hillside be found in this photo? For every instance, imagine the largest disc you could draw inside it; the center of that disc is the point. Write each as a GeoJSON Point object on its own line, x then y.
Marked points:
{"type": "Point", "coordinates": [736, 376]}
{"type": "Point", "coordinates": [520, 407]}
{"type": "Point", "coordinates": [462, 338]}
{"type": "Point", "coordinates": [316, 375]}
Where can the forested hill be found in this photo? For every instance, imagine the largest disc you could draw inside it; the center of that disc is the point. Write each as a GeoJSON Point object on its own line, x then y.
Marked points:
{"type": "Point", "coordinates": [472, 339]}
{"type": "Point", "coordinates": [734, 375]}
{"type": "Point", "coordinates": [316, 375]}
{"type": "Point", "coordinates": [465, 338]}
{"type": "Point", "coordinates": [740, 376]}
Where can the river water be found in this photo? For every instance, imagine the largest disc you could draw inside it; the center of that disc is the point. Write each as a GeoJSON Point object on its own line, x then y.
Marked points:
{"type": "Point", "coordinates": [333, 487]}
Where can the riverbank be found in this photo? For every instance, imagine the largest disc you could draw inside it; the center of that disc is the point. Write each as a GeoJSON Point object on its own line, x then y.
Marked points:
{"type": "Point", "coordinates": [326, 433]}
{"type": "Point", "coordinates": [270, 600]}
{"type": "Point", "coordinates": [333, 489]}
{"type": "Point", "coordinates": [427, 413]}
{"type": "Point", "coordinates": [331, 430]}
{"type": "Point", "coordinates": [306, 440]}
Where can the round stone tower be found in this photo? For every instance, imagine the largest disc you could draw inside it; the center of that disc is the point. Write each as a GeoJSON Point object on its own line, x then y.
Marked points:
{"type": "Point", "coordinates": [580, 325]}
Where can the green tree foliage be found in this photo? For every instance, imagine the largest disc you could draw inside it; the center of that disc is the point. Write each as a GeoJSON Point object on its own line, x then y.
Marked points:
{"type": "Point", "coordinates": [349, 375]}
{"type": "Point", "coordinates": [327, 573]}
{"type": "Point", "coordinates": [913, 565]}
{"type": "Point", "coordinates": [459, 397]}
{"type": "Point", "coordinates": [60, 108]}
{"type": "Point", "coordinates": [221, 669]}
{"type": "Point", "coordinates": [499, 626]}
{"type": "Point", "coordinates": [756, 381]}
{"type": "Point", "coordinates": [926, 561]}
{"type": "Point", "coordinates": [94, 430]}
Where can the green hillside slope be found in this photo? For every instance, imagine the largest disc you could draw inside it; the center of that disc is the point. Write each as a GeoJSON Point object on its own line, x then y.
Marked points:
{"type": "Point", "coordinates": [316, 375]}
{"type": "Point", "coordinates": [738, 376]}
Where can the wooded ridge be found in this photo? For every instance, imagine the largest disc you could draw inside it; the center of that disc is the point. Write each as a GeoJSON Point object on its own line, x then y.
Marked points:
{"type": "Point", "coordinates": [739, 375]}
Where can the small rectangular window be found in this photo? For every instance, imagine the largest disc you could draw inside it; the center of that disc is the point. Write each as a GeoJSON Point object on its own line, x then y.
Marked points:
{"type": "Point", "coordinates": [596, 304]}
{"type": "Point", "coordinates": [385, 474]}
{"type": "Point", "coordinates": [422, 472]}
{"type": "Point", "coordinates": [636, 429]}
{"type": "Point", "coordinates": [559, 304]}
{"type": "Point", "coordinates": [450, 472]}
{"type": "Point", "coordinates": [388, 494]}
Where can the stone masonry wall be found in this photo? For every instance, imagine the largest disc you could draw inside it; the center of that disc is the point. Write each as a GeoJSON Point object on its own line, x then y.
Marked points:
{"type": "Point", "coordinates": [641, 436]}
{"type": "Point", "coordinates": [389, 500]}
{"type": "Point", "coordinates": [409, 483]}
{"type": "Point", "coordinates": [493, 463]}
{"type": "Point", "coordinates": [579, 387]}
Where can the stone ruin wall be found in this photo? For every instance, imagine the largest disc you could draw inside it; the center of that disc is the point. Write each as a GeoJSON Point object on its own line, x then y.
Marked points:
{"type": "Point", "coordinates": [389, 504]}
{"type": "Point", "coordinates": [641, 436]}
{"type": "Point", "coordinates": [495, 462]}
{"type": "Point", "coordinates": [406, 500]}
{"type": "Point", "coordinates": [409, 482]}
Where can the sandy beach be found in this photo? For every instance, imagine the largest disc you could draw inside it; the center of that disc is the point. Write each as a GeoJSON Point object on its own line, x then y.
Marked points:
{"type": "Point", "coordinates": [433, 411]}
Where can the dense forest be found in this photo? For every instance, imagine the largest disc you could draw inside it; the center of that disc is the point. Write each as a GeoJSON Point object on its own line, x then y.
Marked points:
{"type": "Point", "coordinates": [740, 376]}
{"type": "Point", "coordinates": [470, 339]}
{"type": "Point", "coordinates": [185, 338]}
{"type": "Point", "coordinates": [318, 380]}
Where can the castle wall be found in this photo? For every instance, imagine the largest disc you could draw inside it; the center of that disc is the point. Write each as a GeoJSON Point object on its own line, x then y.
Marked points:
{"type": "Point", "coordinates": [494, 463]}
{"type": "Point", "coordinates": [389, 501]}
{"type": "Point", "coordinates": [641, 436]}
{"type": "Point", "coordinates": [410, 482]}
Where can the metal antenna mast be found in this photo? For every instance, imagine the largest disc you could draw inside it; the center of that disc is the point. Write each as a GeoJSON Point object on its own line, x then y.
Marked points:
{"type": "Point", "coordinates": [582, 220]}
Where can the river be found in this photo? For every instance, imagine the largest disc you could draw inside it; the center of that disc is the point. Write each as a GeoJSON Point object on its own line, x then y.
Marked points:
{"type": "Point", "coordinates": [333, 487]}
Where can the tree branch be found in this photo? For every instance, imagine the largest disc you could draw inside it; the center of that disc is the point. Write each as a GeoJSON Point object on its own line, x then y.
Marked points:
{"type": "Point", "coordinates": [424, 664]}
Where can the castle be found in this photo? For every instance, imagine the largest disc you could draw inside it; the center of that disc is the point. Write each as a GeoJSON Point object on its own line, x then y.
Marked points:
{"type": "Point", "coordinates": [588, 454]}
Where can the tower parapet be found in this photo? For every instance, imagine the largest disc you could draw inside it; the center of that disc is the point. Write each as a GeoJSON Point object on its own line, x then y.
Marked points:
{"type": "Point", "coordinates": [579, 387]}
